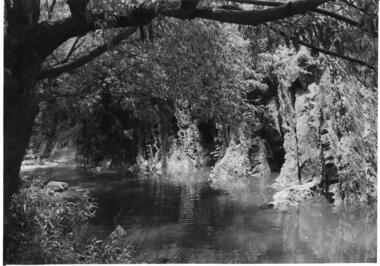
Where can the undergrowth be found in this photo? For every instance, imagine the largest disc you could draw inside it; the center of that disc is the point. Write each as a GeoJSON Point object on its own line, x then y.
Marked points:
{"type": "Point", "coordinates": [46, 229]}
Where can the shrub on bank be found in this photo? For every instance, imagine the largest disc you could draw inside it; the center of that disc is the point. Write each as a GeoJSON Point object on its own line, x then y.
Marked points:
{"type": "Point", "coordinates": [46, 228]}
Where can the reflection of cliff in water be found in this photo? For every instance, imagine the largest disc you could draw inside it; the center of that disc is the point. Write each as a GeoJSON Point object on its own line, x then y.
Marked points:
{"type": "Point", "coordinates": [340, 236]}
{"type": "Point", "coordinates": [312, 233]}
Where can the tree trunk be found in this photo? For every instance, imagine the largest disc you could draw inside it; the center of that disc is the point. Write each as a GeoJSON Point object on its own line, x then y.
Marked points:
{"type": "Point", "coordinates": [20, 110]}
{"type": "Point", "coordinates": [22, 65]}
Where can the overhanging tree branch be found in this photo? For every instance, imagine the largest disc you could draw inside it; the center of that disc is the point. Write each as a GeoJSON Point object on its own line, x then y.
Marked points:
{"type": "Point", "coordinates": [316, 10]}
{"type": "Point", "coordinates": [324, 51]}
{"type": "Point", "coordinates": [59, 32]}
{"type": "Point", "coordinates": [334, 54]}
{"type": "Point", "coordinates": [355, 7]}
{"type": "Point", "coordinates": [251, 17]}
{"type": "Point", "coordinates": [56, 71]}
{"type": "Point", "coordinates": [47, 37]}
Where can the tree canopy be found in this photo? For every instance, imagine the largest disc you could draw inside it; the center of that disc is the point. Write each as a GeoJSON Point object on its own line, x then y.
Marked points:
{"type": "Point", "coordinates": [331, 29]}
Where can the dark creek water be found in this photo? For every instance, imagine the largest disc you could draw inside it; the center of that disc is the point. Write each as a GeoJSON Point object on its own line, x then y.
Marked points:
{"type": "Point", "coordinates": [184, 220]}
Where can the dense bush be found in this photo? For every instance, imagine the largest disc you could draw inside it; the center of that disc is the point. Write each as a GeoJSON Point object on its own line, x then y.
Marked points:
{"type": "Point", "coordinates": [45, 228]}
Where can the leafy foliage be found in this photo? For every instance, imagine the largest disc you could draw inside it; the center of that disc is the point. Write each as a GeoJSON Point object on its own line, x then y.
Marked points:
{"type": "Point", "coordinates": [201, 66]}
{"type": "Point", "coordinates": [45, 229]}
{"type": "Point", "coordinates": [354, 109]}
{"type": "Point", "coordinates": [116, 251]}
{"type": "Point", "coordinates": [204, 64]}
{"type": "Point", "coordinates": [347, 29]}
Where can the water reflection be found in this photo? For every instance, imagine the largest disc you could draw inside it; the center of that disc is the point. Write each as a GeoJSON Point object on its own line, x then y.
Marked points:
{"type": "Point", "coordinates": [183, 220]}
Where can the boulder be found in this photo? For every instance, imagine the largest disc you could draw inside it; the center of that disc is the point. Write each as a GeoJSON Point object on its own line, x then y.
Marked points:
{"type": "Point", "coordinates": [56, 186]}
{"type": "Point", "coordinates": [292, 196]}
{"type": "Point", "coordinates": [117, 233]}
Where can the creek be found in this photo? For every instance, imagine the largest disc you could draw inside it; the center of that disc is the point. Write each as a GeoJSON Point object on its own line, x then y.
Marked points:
{"type": "Point", "coordinates": [184, 220]}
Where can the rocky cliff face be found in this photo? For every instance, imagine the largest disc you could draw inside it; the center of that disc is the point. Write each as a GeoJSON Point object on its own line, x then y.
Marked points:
{"type": "Point", "coordinates": [183, 150]}
{"type": "Point", "coordinates": [164, 138]}
{"type": "Point", "coordinates": [244, 160]}
{"type": "Point", "coordinates": [329, 132]}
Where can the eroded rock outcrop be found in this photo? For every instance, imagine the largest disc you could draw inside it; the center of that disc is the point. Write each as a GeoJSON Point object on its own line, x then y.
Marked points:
{"type": "Point", "coordinates": [182, 151]}
{"type": "Point", "coordinates": [245, 157]}
{"type": "Point", "coordinates": [328, 129]}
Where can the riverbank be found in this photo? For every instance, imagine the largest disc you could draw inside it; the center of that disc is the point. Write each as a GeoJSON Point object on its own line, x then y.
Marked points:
{"type": "Point", "coordinates": [49, 222]}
